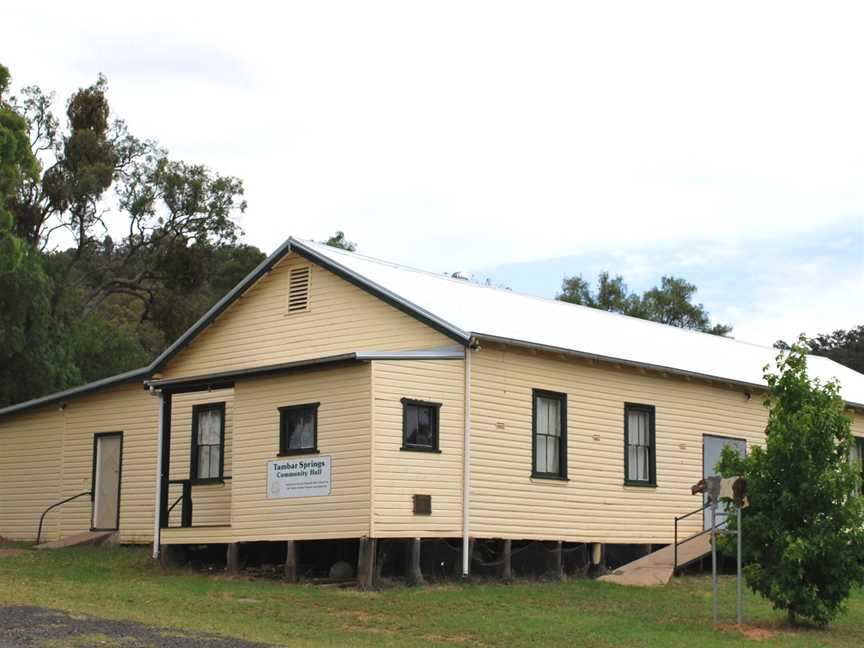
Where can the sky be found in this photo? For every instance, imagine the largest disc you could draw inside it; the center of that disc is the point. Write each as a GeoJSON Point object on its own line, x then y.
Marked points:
{"type": "Point", "coordinates": [520, 141]}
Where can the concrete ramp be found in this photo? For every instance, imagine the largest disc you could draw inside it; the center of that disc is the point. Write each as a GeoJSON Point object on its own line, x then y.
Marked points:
{"type": "Point", "coordinates": [656, 568]}
{"type": "Point", "coordinates": [86, 538]}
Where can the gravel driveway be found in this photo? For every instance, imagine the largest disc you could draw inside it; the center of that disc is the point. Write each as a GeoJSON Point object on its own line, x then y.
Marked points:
{"type": "Point", "coordinates": [23, 627]}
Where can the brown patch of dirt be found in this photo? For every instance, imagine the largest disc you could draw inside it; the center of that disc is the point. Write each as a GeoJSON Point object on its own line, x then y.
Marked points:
{"type": "Point", "coordinates": [455, 638]}
{"type": "Point", "coordinates": [11, 553]}
{"type": "Point", "coordinates": [751, 632]}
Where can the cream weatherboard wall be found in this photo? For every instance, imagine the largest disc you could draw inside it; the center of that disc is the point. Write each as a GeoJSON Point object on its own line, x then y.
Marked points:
{"type": "Point", "coordinates": [399, 474]}
{"type": "Point", "coordinates": [257, 330]}
{"type": "Point", "coordinates": [344, 395]}
{"type": "Point", "coordinates": [594, 505]}
{"type": "Point", "coordinates": [134, 412]}
{"type": "Point", "coordinates": [211, 503]}
{"type": "Point", "coordinates": [31, 472]}
{"type": "Point", "coordinates": [47, 455]}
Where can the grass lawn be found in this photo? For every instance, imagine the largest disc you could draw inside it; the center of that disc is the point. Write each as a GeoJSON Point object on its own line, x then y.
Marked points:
{"type": "Point", "coordinates": [122, 583]}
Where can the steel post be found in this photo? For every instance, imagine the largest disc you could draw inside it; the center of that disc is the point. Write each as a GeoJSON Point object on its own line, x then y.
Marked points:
{"type": "Point", "coordinates": [738, 583]}
{"type": "Point", "coordinates": [714, 560]}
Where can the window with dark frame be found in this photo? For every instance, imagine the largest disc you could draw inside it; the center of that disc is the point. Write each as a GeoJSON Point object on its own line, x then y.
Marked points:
{"type": "Point", "coordinates": [639, 445]}
{"type": "Point", "coordinates": [549, 435]}
{"type": "Point", "coordinates": [298, 429]}
{"type": "Point", "coordinates": [208, 441]}
{"type": "Point", "coordinates": [420, 425]}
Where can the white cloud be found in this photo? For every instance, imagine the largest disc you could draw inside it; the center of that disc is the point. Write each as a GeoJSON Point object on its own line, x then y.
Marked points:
{"type": "Point", "coordinates": [469, 134]}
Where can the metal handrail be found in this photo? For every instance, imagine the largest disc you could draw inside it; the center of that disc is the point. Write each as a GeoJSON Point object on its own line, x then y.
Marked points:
{"type": "Point", "coordinates": [692, 537]}
{"type": "Point", "coordinates": [186, 498]}
{"type": "Point", "coordinates": [678, 518]}
{"type": "Point", "coordinates": [53, 506]}
{"type": "Point", "coordinates": [176, 502]}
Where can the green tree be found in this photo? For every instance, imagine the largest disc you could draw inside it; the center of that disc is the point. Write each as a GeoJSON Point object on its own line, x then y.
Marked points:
{"type": "Point", "coordinates": [670, 303]}
{"type": "Point", "coordinates": [338, 240]}
{"type": "Point", "coordinates": [96, 170]}
{"type": "Point", "coordinates": [17, 162]}
{"type": "Point", "coordinates": [32, 355]}
{"type": "Point", "coordinates": [803, 533]}
{"type": "Point", "coordinates": [845, 347]}
{"type": "Point", "coordinates": [77, 304]}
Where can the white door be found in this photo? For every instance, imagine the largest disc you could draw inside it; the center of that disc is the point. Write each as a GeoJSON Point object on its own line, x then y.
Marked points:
{"type": "Point", "coordinates": [712, 447]}
{"type": "Point", "coordinates": [107, 459]}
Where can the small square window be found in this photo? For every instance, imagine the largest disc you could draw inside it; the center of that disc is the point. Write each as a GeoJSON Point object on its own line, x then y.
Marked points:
{"type": "Point", "coordinates": [420, 425]}
{"type": "Point", "coordinates": [298, 429]}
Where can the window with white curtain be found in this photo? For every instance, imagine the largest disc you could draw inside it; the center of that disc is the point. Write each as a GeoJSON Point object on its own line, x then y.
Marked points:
{"type": "Point", "coordinates": [639, 451]}
{"type": "Point", "coordinates": [208, 438]}
{"type": "Point", "coordinates": [298, 429]}
{"type": "Point", "coordinates": [550, 435]}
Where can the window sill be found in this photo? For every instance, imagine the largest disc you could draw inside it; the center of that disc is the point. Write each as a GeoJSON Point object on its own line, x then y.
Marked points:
{"type": "Point", "coordinates": [208, 481]}
{"type": "Point", "coordinates": [420, 449]}
{"type": "Point", "coordinates": [549, 477]}
{"type": "Point", "coordinates": [299, 451]}
{"type": "Point", "coordinates": [640, 484]}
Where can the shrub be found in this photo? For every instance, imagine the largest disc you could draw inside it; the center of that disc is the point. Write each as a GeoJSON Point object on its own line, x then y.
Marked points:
{"type": "Point", "coordinates": [803, 539]}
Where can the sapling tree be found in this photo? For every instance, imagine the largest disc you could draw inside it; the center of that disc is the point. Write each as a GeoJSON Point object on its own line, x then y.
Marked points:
{"type": "Point", "coordinates": [803, 538]}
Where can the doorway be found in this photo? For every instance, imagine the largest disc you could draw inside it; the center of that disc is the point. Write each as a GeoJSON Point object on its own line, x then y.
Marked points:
{"type": "Point", "coordinates": [107, 466]}
{"type": "Point", "coordinates": [712, 448]}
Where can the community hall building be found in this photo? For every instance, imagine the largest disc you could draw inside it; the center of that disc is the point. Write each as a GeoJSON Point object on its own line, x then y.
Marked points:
{"type": "Point", "coordinates": [333, 398]}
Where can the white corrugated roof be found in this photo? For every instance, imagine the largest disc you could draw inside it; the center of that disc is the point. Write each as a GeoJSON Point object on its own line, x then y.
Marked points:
{"type": "Point", "coordinates": [495, 312]}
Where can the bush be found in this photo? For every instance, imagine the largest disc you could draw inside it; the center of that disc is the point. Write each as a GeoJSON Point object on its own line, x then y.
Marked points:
{"type": "Point", "coordinates": [803, 540]}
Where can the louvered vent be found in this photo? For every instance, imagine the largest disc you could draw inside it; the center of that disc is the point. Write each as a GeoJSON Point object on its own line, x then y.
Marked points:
{"type": "Point", "coordinates": [298, 289]}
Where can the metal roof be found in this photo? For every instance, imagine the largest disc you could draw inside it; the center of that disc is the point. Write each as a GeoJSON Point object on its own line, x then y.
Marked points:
{"type": "Point", "coordinates": [463, 310]}
{"type": "Point", "coordinates": [504, 315]}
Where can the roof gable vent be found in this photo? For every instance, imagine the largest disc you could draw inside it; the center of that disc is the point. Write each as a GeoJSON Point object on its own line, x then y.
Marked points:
{"type": "Point", "coordinates": [298, 289]}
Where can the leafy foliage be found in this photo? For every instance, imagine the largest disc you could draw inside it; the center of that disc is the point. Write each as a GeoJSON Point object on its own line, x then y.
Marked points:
{"type": "Point", "coordinates": [338, 240]}
{"type": "Point", "coordinates": [845, 347]}
{"type": "Point", "coordinates": [77, 304]}
{"type": "Point", "coordinates": [803, 536]}
{"type": "Point", "coordinates": [670, 303]}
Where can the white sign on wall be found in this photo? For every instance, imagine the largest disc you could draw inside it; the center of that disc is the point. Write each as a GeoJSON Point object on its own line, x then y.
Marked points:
{"type": "Point", "coordinates": [301, 477]}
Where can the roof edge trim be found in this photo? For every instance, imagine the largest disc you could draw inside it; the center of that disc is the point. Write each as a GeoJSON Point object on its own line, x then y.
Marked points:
{"type": "Point", "coordinates": [223, 377]}
{"type": "Point", "coordinates": [631, 363]}
{"type": "Point", "coordinates": [443, 353]}
{"type": "Point", "coordinates": [407, 307]}
{"type": "Point", "coordinates": [56, 397]}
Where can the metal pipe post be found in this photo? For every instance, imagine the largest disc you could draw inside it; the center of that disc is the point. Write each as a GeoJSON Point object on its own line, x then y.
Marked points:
{"type": "Point", "coordinates": [675, 550]}
{"type": "Point", "coordinates": [714, 559]}
{"type": "Point", "coordinates": [738, 584]}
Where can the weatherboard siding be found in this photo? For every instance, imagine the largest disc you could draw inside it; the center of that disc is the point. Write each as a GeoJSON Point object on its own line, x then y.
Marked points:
{"type": "Point", "coordinates": [197, 535]}
{"type": "Point", "coordinates": [257, 329]}
{"type": "Point", "coordinates": [594, 505]}
{"type": "Point", "coordinates": [211, 503]}
{"type": "Point", "coordinates": [128, 409]}
{"type": "Point", "coordinates": [47, 455]}
{"type": "Point", "coordinates": [344, 424]}
{"type": "Point", "coordinates": [399, 474]}
{"type": "Point", "coordinates": [31, 469]}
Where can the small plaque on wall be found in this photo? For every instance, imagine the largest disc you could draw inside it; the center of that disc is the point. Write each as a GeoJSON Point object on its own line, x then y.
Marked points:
{"type": "Point", "coordinates": [301, 477]}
